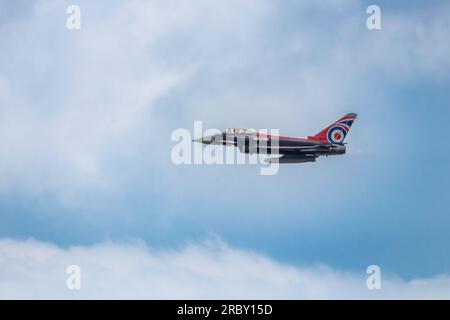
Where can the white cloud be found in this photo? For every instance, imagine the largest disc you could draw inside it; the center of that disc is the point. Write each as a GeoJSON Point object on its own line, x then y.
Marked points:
{"type": "Point", "coordinates": [34, 269]}
{"type": "Point", "coordinates": [73, 102]}
{"type": "Point", "coordinates": [79, 110]}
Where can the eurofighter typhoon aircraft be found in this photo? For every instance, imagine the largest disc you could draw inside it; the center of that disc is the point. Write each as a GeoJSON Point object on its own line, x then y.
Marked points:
{"type": "Point", "coordinates": [329, 141]}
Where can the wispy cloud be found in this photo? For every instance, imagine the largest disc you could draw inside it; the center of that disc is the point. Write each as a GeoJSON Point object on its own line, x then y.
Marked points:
{"type": "Point", "coordinates": [71, 99]}
{"type": "Point", "coordinates": [208, 270]}
{"type": "Point", "coordinates": [86, 117]}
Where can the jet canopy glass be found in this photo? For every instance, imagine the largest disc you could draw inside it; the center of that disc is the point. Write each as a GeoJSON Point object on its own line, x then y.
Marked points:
{"type": "Point", "coordinates": [238, 131]}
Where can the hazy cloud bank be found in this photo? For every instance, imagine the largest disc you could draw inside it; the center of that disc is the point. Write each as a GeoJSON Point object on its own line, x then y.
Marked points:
{"type": "Point", "coordinates": [212, 269]}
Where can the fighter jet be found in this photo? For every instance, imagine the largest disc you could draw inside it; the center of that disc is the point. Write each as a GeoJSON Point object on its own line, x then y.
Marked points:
{"type": "Point", "coordinates": [329, 141]}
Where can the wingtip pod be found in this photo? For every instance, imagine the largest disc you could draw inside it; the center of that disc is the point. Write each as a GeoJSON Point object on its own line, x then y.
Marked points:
{"type": "Point", "coordinates": [337, 131]}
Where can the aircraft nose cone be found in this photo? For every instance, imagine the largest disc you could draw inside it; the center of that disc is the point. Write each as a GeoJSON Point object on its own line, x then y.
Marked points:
{"type": "Point", "coordinates": [205, 140]}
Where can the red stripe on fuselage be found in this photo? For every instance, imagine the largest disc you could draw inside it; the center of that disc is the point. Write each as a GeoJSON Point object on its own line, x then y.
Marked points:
{"type": "Point", "coordinates": [284, 137]}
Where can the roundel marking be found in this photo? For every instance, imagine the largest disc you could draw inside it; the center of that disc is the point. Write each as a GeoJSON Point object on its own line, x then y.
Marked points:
{"type": "Point", "coordinates": [336, 135]}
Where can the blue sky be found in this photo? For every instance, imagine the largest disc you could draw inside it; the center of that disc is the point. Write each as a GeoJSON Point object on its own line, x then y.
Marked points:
{"type": "Point", "coordinates": [86, 118]}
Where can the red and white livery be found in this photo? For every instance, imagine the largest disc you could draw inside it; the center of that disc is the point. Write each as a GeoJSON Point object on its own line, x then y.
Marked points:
{"type": "Point", "coordinates": [329, 141]}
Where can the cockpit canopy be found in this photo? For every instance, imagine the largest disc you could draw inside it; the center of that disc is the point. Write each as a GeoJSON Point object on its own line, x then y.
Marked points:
{"type": "Point", "coordinates": [238, 131]}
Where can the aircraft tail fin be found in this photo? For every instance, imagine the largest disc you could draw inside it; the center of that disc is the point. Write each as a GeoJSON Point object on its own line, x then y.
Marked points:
{"type": "Point", "coordinates": [337, 131]}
